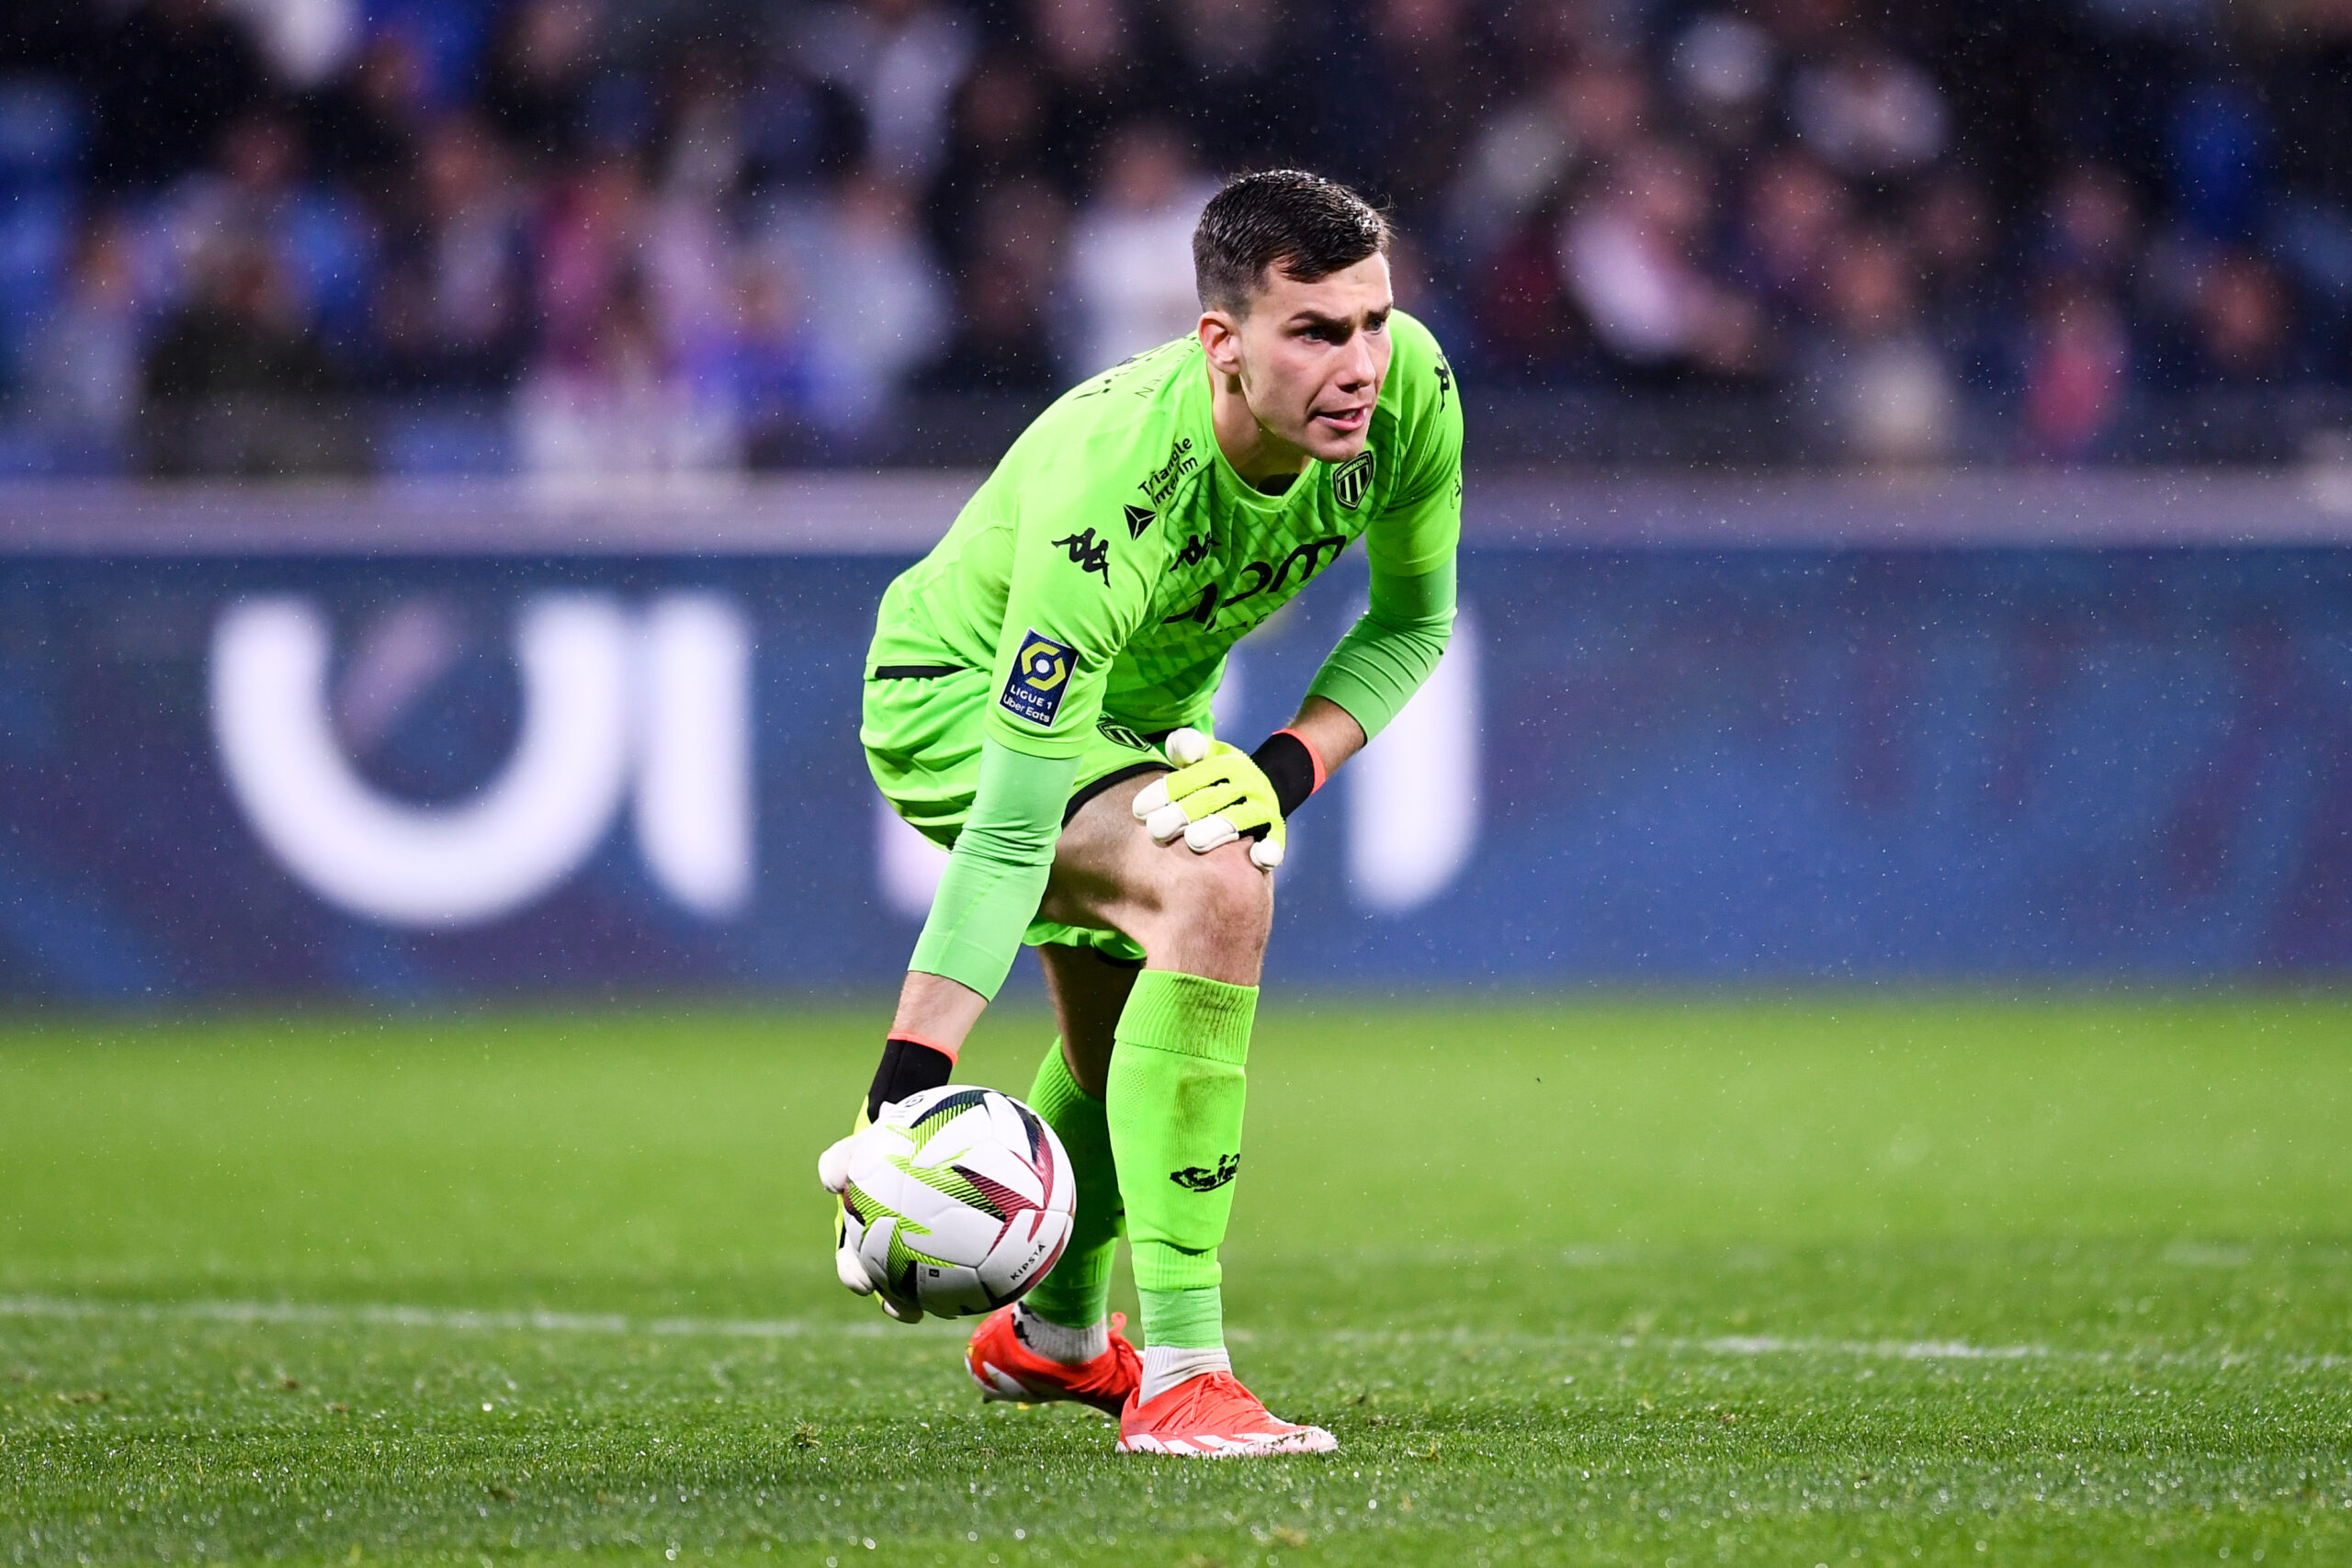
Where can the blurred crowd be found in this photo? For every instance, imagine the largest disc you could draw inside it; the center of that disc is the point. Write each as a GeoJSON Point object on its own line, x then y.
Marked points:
{"type": "Point", "coordinates": [586, 236]}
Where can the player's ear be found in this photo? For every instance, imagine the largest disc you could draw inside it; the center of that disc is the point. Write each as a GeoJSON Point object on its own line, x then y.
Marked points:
{"type": "Point", "coordinates": [1221, 341]}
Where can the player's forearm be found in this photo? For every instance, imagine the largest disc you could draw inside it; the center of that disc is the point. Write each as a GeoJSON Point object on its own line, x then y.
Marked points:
{"type": "Point", "coordinates": [927, 1034]}
{"type": "Point", "coordinates": [936, 1012]}
{"type": "Point", "coordinates": [1329, 731]}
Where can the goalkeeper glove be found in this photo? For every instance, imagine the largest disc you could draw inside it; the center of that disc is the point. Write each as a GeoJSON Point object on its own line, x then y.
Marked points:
{"type": "Point", "coordinates": [909, 1066]}
{"type": "Point", "coordinates": [1218, 794]}
{"type": "Point", "coordinates": [832, 1172]}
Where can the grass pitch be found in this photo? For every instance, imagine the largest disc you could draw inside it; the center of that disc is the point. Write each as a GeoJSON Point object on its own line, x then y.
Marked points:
{"type": "Point", "coordinates": [1666, 1282]}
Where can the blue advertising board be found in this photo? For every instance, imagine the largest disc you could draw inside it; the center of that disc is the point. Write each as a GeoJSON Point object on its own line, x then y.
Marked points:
{"type": "Point", "coordinates": [437, 772]}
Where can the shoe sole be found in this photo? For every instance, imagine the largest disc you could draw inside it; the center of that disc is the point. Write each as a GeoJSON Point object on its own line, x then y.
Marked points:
{"type": "Point", "coordinates": [1306, 1441]}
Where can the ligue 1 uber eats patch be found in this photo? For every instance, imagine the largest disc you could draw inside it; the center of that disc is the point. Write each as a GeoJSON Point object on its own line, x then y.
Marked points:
{"type": "Point", "coordinates": [1039, 677]}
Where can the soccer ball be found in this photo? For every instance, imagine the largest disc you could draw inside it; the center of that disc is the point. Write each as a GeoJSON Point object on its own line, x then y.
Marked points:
{"type": "Point", "coordinates": [955, 1201]}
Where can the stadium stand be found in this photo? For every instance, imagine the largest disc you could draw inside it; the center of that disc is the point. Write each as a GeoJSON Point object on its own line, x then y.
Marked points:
{"type": "Point", "coordinates": [304, 236]}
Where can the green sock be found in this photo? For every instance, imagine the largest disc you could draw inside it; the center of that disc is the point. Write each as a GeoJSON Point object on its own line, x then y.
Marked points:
{"type": "Point", "coordinates": [1175, 1099]}
{"type": "Point", "coordinates": [1077, 1293]}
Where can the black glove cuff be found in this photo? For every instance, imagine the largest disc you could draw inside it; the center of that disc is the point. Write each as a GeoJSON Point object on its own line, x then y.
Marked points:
{"type": "Point", "coordinates": [909, 1066]}
{"type": "Point", "coordinates": [1289, 766]}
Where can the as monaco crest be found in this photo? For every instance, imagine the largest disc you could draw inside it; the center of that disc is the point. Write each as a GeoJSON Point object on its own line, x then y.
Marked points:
{"type": "Point", "coordinates": [1351, 479]}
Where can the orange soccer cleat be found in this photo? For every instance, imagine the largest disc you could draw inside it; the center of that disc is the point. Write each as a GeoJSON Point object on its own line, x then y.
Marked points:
{"type": "Point", "coordinates": [1007, 1369]}
{"type": "Point", "coordinates": [1213, 1417]}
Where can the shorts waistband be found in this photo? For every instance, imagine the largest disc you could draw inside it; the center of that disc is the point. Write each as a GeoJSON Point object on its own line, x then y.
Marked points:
{"type": "Point", "coordinates": [1117, 775]}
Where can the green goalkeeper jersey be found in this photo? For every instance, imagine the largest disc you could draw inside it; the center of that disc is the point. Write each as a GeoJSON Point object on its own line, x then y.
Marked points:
{"type": "Point", "coordinates": [1114, 558]}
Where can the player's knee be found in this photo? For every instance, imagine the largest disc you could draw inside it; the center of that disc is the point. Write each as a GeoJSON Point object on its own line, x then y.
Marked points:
{"type": "Point", "coordinates": [1224, 895]}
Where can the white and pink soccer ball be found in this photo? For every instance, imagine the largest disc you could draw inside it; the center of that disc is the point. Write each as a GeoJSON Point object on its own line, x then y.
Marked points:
{"type": "Point", "coordinates": [955, 1201]}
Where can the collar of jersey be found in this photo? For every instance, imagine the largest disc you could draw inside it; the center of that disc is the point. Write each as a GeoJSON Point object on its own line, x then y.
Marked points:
{"type": "Point", "coordinates": [1229, 478]}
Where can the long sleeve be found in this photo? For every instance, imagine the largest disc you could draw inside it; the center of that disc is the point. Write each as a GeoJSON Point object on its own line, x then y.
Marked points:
{"type": "Point", "coordinates": [997, 873]}
{"type": "Point", "coordinates": [1391, 649]}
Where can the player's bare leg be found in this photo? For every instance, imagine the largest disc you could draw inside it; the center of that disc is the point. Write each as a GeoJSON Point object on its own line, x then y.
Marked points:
{"type": "Point", "coordinates": [1172, 1097]}
{"type": "Point", "coordinates": [1193, 913]}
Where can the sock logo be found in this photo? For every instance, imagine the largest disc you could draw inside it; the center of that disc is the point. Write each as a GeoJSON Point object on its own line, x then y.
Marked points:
{"type": "Point", "coordinates": [1201, 1178]}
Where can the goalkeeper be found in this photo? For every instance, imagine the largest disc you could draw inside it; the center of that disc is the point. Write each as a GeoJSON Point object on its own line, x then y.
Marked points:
{"type": "Point", "coordinates": [1035, 687]}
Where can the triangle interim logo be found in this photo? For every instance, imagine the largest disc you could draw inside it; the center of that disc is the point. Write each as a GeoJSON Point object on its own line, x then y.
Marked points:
{"type": "Point", "coordinates": [1138, 519]}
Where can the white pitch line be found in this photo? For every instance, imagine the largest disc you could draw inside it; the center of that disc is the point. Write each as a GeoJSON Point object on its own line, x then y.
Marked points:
{"type": "Point", "coordinates": [475, 1321]}
{"type": "Point", "coordinates": [461, 1320]}
{"type": "Point", "coordinates": [1962, 1351]}
{"type": "Point", "coordinates": [1745, 1347]}
{"type": "Point", "coordinates": [1728, 1344]}
{"type": "Point", "coordinates": [1893, 1349]}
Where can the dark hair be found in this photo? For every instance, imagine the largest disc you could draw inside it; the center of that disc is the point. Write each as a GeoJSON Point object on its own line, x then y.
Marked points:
{"type": "Point", "coordinates": [1303, 223]}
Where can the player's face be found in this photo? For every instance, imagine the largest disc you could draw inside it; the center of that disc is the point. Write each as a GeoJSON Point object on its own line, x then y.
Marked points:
{"type": "Point", "coordinates": [1313, 356]}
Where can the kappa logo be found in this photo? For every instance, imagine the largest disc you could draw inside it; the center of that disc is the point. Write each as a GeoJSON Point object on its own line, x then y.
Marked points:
{"type": "Point", "coordinates": [1201, 1178]}
{"type": "Point", "coordinates": [1351, 481]}
{"type": "Point", "coordinates": [1444, 381]}
{"type": "Point", "coordinates": [1088, 553]}
{"type": "Point", "coordinates": [1138, 519]}
{"type": "Point", "coordinates": [1040, 674]}
{"type": "Point", "coordinates": [1195, 551]}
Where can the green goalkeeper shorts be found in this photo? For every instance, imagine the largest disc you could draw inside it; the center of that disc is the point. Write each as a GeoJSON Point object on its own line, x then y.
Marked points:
{"type": "Point", "coordinates": [921, 734]}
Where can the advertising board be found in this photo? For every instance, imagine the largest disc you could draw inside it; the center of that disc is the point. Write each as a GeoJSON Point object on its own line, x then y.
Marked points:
{"type": "Point", "coordinates": [616, 763]}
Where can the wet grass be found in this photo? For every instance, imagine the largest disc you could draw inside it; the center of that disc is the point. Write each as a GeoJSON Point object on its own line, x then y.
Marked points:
{"type": "Point", "coordinates": [1925, 1279]}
